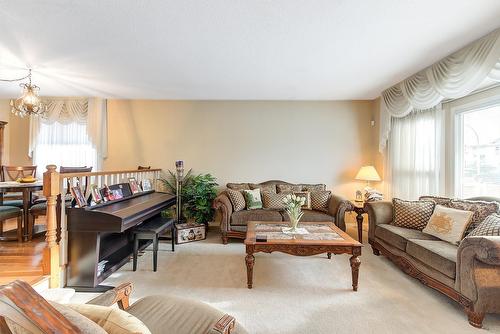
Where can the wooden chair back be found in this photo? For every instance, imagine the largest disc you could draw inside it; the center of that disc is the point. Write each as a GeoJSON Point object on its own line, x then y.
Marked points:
{"type": "Point", "coordinates": [12, 173]}
{"type": "Point", "coordinates": [83, 169]}
{"type": "Point", "coordinates": [143, 167]}
{"type": "Point", "coordinates": [21, 304]}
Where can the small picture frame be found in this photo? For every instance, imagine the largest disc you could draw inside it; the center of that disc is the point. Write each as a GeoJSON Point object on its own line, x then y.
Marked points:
{"type": "Point", "coordinates": [147, 185]}
{"type": "Point", "coordinates": [117, 193]}
{"type": "Point", "coordinates": [134, 185]}
{"type": "Point", "coordinates": [96, 194]}
{"type": "Point", "coordinates": [106, 194]}
{"type": "Point", "coordinates": [77, 194]}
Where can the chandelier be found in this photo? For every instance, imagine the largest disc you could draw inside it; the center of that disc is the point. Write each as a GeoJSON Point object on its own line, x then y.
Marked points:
{"type": "Point", "coordinates": [29, 103]}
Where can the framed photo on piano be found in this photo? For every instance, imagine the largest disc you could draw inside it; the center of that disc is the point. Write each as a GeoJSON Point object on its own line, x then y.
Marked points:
{"type": "Point", "coordinates": [134, 186]}
{"type": "Point", "coordinates": [96, 194]}
{"type": "Point", "coordinates": [147, 185]}
{"type": "Point", "coordinates": [77, 194]}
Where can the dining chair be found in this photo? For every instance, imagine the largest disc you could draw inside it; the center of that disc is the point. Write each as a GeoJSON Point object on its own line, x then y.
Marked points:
{"type": "Point", "coordinates": [8, 212]}
{"type": "Point", "coordinates": [13, 173]}
{"type": "Point", "coordinates": [40, 207]}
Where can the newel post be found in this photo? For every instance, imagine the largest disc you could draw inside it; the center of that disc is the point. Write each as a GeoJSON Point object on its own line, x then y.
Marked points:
{"type": "Point", "coordinates": [50, 191]}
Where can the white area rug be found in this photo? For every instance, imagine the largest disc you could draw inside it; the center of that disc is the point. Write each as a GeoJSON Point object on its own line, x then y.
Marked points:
{"type": "Point", "coordinates": [298, 294]}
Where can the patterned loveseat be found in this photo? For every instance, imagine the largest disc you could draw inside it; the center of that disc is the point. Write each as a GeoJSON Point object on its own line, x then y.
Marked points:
{"type": "Point", "coordinates": [469, 273]}
{"type": "Point", "coordinates": [234, 220]}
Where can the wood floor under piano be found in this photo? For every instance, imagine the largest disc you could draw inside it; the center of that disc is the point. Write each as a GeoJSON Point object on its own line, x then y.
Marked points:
{"type": "Point", "coordinates": [22, 261]}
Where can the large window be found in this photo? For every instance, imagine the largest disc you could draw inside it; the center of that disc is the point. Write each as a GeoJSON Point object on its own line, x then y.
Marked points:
{"type": "Point", "coordinates": [477, 151]}
{"type": "Point", "coordinates": [63, 145]}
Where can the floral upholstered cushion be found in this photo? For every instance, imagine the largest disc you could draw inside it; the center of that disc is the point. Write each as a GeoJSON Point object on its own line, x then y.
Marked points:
{"type": "Point", "coordinates": [481, 210]}
{"type": "Point", "coordinates": [288, 188]}
{"type": "Point", "coordinates": [237, 199]}
{"type": "Point", "coordinates": [412, 214]}
{"type": "Point", "coordinates": [313, 187]}
{"type": "Point", "coordinates": [448, 224]}
{"type": "Point", "coordinates": [238, 186]}
{"type": "Point", "coordinates": [488, 227]}
{"type": "Point", "coordinates": [253, 199]}
{"type": "Point", "coordinates": [264, 188]}
{"type": "Point", "coordinates": [444, 201]}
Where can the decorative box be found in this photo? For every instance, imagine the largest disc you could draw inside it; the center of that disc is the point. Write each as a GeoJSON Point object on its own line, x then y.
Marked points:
{"type": "Point", "coordinates": [189, 232]}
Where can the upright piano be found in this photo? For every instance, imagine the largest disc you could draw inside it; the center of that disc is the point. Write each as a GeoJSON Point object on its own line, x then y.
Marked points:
{"type": "Point", "coordinates": [100, 239]}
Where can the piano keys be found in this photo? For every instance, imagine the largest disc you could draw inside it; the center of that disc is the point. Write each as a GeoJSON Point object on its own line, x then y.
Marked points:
{"type": "Point", "coordinates": [100, 239]}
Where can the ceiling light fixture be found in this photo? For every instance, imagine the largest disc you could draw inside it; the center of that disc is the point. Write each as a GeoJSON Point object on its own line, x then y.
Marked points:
{"type": "Point", "coordinates": [29, 103]}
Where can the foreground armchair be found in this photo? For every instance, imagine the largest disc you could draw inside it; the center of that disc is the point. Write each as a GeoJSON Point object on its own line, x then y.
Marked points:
{"type": "Point", "coordinates": [23, 310]}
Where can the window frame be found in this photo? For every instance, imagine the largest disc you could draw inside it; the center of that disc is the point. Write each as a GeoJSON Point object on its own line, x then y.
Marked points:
{"type": "Point", "coordinates": [454, 111]}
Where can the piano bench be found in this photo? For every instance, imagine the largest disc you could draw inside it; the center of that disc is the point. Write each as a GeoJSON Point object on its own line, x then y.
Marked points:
{"type": "Point", "coordinates": [151, 230]}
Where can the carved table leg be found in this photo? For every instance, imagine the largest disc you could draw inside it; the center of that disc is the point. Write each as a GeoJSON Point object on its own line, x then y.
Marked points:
{"type": "Point", "coordinates": [359, 220]}
{"type": "Point", "coordinates": [250, 260]}
{"type": "Point", "coordinates": [329, 255]}
{"type": "Point", "coordinates": [355, 262]}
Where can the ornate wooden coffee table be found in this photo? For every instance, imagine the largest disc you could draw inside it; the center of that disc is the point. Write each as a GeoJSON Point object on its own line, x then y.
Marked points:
{"type": "Point", "coordinates": [322, 238]}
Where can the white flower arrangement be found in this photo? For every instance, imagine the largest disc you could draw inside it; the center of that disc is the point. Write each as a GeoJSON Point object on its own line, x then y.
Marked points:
{"type": "Point", "coordinates": [293, 207]}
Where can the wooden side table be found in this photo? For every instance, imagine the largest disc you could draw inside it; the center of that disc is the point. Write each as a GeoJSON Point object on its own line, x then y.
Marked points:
{"type": "Point", "coordinates": [359, 208]}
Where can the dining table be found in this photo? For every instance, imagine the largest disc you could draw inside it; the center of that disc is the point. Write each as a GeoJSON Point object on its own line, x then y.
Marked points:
{"type": "Point", "coordinates": [27, 190]}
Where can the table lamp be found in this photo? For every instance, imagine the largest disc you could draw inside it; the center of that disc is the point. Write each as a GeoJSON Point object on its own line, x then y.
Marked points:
{"type": "Point", "coordinates": [368, 174]}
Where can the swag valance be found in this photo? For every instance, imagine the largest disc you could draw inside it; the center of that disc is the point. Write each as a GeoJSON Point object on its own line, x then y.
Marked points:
{"type": "Point", "coordinates": [454, 76]}
{"type": "Point", "coordinates": [90, 111]}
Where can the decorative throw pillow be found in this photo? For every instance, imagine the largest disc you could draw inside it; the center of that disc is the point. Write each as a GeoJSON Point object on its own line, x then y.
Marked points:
{"type": "Point", "coordinates": [112, 320]}
{"type": "Point", "coordinates": [488, 227]}
{"type": "Point", "coordinates": [273, 201]}
{"type": "Point", "coordinates": [85, 324]}
{"type": "Point", "coordinates": [313, 187]}
{"type": "Point", "coordinates": [253, 199]}
{"type": "Point", "coordinates": [444, 201]}
{"type": "Point", "coordinates": [288, 188]}
{"type": "Point", "coordinates": [412, 214]}
{"type": "Point", "coordinates": [320, 200]}
{"type": "Point", "coordinates": [237, 199]}
{"type": "Point", "coordinates": [481, 210]}
{"type": "Point", "coordinates": [307, 196]}
{"type": "Point", "coordinates": [237, 186]}
{"type": "Point", "coordinates": [448, 224]}
{"type": "Point", "coordinates": [264, 188]}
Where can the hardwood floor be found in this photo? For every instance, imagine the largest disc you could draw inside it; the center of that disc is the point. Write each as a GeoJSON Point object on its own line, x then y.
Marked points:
{"type": "Point", "coordinates": [22, 260]}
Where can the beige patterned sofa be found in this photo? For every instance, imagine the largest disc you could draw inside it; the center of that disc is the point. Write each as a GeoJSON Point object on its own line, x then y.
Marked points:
{"type": "Point", "coordinates": [233, 224]}
{"type": "Point", "coordinates": [468, 273]}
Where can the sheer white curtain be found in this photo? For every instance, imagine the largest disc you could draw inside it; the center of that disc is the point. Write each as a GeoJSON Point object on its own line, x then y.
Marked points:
{"type": "Point", "coordinates": [414, 154]}
{"type": "Point", "coordinates": [72, 133]}
{"type": "Point", "coordinates": [64, 145]}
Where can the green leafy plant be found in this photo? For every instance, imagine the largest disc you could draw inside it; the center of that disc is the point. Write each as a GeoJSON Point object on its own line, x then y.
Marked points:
{"type": "Point", "coordinates": [197, 194]}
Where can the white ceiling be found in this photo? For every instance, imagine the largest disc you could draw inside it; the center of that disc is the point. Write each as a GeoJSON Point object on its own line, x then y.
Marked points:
{"type": "Point", "coordinates": [231, 49]}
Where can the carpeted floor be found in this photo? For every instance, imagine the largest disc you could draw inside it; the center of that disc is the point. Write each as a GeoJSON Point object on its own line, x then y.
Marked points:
{"type": "Point", "coordinates": [298, 294]}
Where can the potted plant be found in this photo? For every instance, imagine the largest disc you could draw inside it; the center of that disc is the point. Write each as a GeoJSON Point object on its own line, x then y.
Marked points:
{"type": "Point", "coordinates": [198, 193]}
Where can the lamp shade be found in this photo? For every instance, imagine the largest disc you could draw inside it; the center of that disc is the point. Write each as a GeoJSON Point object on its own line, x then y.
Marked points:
{"type": "Point", "coordinates": [367, 173]}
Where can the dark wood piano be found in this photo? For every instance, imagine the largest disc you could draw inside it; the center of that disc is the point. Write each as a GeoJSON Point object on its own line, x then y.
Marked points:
{"type": "Point", "coordinates": [103, 233]}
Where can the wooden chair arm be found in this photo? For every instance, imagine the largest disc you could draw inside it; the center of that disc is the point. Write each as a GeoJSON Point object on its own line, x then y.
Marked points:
{"type": "Point", "coordinates": [225, 325]}
{"type": "Point", "coordinates": [119, 295]}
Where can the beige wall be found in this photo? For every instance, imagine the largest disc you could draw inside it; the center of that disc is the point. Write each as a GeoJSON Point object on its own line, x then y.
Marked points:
{"type": "Point", "coordinates": [295, 141]}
